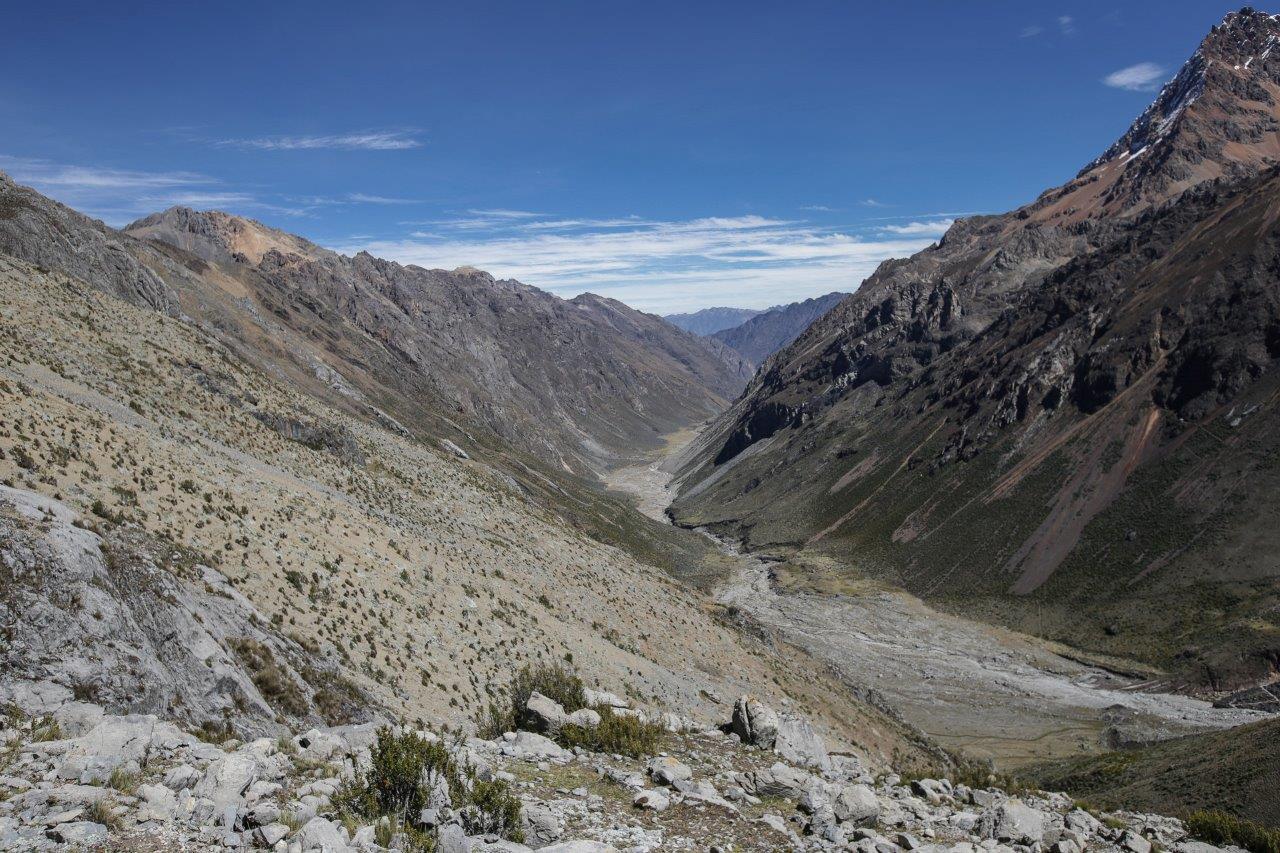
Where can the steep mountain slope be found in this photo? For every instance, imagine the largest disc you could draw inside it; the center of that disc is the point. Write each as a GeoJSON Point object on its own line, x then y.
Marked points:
{"type": "Point", "coordinates": [711, 320]}
{"type": "Point", "coordinates": [581, 383]}
{"type": "Point", "coordinates": [187, 535]}
{"type": "Point", "coordinates": [1065, 417]}
{"type": "Point", "coordinates": [764, 334]}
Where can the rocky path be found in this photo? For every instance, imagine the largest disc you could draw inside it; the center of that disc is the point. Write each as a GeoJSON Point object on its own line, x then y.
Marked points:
{"type": "Point", "coordinates": [991, 692]}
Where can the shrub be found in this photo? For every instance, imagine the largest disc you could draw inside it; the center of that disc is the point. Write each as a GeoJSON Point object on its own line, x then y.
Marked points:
{"type": "Point", "coordinates": [1220, 828]}
{"type": "Point", "coordinates": [551, 680]}
{"type": "Point", "coordinates": [493, 809]}
{"type": "Point", "coordinates": [396, 787]}
{"type": "Point", "coordinates": [620, 733]}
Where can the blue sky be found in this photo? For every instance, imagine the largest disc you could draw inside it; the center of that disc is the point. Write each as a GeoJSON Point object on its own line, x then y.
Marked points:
{"type": "Point", "coordinates": [672, 155]}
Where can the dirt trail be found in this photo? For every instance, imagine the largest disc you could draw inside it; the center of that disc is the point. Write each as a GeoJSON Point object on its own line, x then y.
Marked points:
{"type": "Point", "coordinates": [991, 692]}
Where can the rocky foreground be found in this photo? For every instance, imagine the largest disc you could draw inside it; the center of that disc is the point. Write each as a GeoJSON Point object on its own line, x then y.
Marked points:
{"type": "Point", "coordinates": [85, 779]}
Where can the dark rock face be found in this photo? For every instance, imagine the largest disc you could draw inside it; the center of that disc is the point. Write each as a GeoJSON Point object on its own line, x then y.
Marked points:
{"type": "Point", "coordinates": [763, 335]}
{"type": "Point", "coordinates": [1059, 408]}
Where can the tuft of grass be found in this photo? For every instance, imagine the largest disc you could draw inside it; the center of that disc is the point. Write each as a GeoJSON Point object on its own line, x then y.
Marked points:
{"type": "Point", "coordinates": [1222, 829]}
{"type": "Point", "coordinates": [123, 780]}
{"type": "Point", "coordinates": [101, 811]}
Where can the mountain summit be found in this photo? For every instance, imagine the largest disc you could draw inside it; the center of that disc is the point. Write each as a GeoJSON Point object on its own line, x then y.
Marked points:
{"type": "Point", "coordinates": [1219, 117]}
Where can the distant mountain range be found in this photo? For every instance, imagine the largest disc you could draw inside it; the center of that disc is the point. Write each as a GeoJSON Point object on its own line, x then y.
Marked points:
{"type": "Point", "coordinates": [1064, 418]}
{"type": "Point", "coordinates": [459, 346]}
{"type": "Point", "coordinates": [711, 320]}
{"type": "Point", "coordinates": [769, 331]}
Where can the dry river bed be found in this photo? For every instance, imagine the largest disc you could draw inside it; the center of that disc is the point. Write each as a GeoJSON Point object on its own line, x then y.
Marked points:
{"type": "Point", "coordinates": [987, 691]}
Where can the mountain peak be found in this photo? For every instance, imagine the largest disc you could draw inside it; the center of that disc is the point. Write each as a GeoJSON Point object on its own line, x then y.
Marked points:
{"type": "Point", "coordinates": [1216, 118]}
{"type": "Point", "coordinates": [218, 236]}
{"type": "Point", "coordinates": [1235, 54]}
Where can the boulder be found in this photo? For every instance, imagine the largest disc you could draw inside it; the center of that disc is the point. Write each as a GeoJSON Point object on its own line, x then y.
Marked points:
{"type": "Point", "coordinates": [797, 742]}
{"type": "Point", "coordinates": [77, 718]}
{"type": "Point", "coordinates": [541, 826]}
{"type": "Point", "coordinates": [81, 833]}
{"type": "Point", "coordinates": [1134, 843]}
{"type": "Point", "coordinates": [451, 839]}
{"type": "Point", "coordinates": [602, 698]}
{"type": "Point", "coordinates": [226, 780]}
{"type": "Point", "coordinates": [546, 714]}
{"type": "Point", "coordinates": [1014, 821]}
{"type": "Point", "coordinates": [580, 847]}
{"type": "Point", "coordinates": [158, 803]}
{"type": "Point", "coordinates": [323, 835]}
{"type": "Point", "coordinates": [653, 800]}
{"type": "Point", "coordinates": [667, 770]}
{"type": "Point", "coordinates": [271, 833]}
{"type": "Point", "coordinates": [754, 722]}
{"type": "Point", "coordinates": [530, 745]}
{"type": "Point", "coordinates": [856, 804]}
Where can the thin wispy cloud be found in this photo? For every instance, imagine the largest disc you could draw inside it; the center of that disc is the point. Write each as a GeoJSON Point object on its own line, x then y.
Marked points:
{"type": "Point", "coordinates": [819, 208]}
{"type": "Point", "coordinates": [380, 140]}
{"type": "Point", "coordinates": [657, 265]}
{"type": "Point", "coordinates": [1030, 32]}
{"type": "Point", "coordinates": [1143, 77]}
{"type": "Point", "coordinates": [921, 228]}
{"type": "Point", "coordinates": [44, 173]}
{"type": "Point", "coordinates": [365, 198]}
{"type": "Point", "coordinates": [118, 196]}
{"type": "Point", "coordinates": [871, 202]}
{"type": "Point", "coordinates": [1066, 25]}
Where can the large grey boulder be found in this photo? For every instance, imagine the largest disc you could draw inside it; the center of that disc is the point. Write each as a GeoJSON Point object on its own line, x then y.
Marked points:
{"type": "Point", "coordinates": [323, 835]}
{"type": "Point", "coordinates": [856, 804]}
{"type": "Point", "coordinates": [797, 742]}
{"type": "Point", "coordinates": [580, 847]}
{"type": "Point", "coordinates": [549, 715]}
{"type": "Point", "coordinates": [754, 722]}
{"type": "Point", "coordinates": [227, 779]}
{"type": "Point", "coordinates": [533, 745]}
{"type": "Point", "coordinates": [1014, 821]}
{"type": "Point", "coordinates": [540, 824]}
{"type": "Point", "coordinates": [668, 771]}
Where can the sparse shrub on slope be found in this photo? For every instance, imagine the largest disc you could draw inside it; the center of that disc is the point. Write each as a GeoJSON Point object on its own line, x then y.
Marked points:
{"type": "Point", "coordinates": [617, 733]}
{"type": "Point", "coordinates": [1223, 829]}
{"type": "Point", "coordinates": [398, 785]}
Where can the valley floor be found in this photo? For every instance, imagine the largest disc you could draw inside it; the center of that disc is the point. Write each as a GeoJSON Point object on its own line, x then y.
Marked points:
{"type": "Point", "coordinates": [986, 691]}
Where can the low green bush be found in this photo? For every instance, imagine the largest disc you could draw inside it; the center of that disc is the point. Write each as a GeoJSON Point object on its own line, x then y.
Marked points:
{"type": "Point", "coordinates": [617, 733]}
{"type": "Point", "coordinates": [396, 787]}
{"type": "Point", "coordinates": [1220, 828]}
